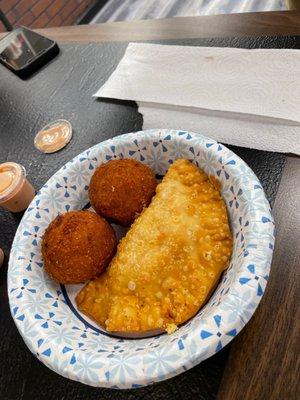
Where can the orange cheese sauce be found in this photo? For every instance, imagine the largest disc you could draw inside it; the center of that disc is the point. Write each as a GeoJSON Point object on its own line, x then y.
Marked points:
{"type": "Point", "coordinates": [54, 137]}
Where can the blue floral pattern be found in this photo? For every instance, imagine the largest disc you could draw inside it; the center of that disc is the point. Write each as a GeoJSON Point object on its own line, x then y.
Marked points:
{"type": "Point", "coordinates": [72, 345]}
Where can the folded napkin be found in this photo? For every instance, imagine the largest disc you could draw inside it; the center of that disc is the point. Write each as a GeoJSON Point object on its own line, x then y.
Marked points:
{"type": "Point", "coordinates": [248, 98]}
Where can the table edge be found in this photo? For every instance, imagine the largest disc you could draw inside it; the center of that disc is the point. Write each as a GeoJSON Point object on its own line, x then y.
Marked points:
{"type": "Point", "coordinates": [273, 23]}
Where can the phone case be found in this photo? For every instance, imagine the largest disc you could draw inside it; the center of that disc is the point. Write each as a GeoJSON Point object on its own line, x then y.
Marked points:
{"type": "Point", "coordinates": [36, 64]}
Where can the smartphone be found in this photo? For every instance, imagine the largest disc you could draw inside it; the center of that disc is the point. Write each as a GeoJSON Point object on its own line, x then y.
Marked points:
{"type": "Point", "coordinates": [24, 51]}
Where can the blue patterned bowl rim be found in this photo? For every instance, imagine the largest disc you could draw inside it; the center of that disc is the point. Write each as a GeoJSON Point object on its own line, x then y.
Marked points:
{"type": "Point", "coordinates": [72, 348]}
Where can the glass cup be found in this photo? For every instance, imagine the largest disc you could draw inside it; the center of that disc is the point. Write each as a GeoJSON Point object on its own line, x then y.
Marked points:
{"type": "Point", "coordinates": [16, 192]}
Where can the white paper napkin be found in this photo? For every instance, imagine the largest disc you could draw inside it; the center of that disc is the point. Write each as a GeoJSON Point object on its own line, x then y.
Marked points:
{"type": "Point", "coordinates": [248, 98]}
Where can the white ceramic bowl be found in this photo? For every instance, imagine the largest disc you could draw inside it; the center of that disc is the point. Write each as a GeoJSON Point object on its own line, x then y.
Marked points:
{"type": "Point", "coordinates": [69, 343]}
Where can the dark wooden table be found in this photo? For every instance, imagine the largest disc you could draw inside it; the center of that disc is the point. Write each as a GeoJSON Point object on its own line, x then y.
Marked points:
{"type": "Point", "coordinates": [230, 25]}
{"type": "Point", "coordinates": [264, 359]}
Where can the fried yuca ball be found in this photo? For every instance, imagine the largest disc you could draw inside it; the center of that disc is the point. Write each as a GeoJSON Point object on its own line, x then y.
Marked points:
{"type": "Point", "coordinates": [121, 189]}
{"type": "Point", "coordinates": [77, 246]}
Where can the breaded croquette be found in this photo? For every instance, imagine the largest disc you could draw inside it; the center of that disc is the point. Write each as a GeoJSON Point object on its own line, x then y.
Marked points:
{"type": "Point", "coordinates": [121, 189]}
{"type": "Point", "coordinates": [169, 261]}
{"type": "Point", "coordinates": [77, 246]}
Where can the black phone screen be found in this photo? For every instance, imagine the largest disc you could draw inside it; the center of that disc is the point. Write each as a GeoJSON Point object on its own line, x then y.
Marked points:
{"type": "Point", "coordinates": [20, 47]}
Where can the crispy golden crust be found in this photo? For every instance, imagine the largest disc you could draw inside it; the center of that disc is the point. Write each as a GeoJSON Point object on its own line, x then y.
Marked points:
{"type": "Point", "coordinates": [121, 189]}
{"type": "Point", "coordinates": [77, 246]}
{"type": "Point", "coordinates": [169, 261]}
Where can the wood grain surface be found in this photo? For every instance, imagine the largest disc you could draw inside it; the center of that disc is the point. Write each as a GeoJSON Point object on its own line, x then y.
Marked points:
{"type": "Point", "coordinates": [264, 360]}
{"type": "Point", "coordinates": [281, 23]}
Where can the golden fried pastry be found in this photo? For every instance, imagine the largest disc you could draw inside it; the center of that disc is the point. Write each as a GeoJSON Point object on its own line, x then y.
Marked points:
{"type": "Point", "coordinates": [121, 189]}
{"type": "Point", "coordinates": [77, 246]}
{"type": "Point", "coordinates": [169, 261]}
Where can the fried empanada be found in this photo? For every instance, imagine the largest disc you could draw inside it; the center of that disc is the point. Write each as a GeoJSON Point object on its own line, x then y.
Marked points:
{"type": "Point", "coordinates": [169, 261]}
